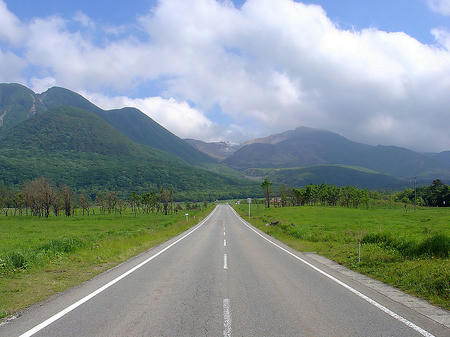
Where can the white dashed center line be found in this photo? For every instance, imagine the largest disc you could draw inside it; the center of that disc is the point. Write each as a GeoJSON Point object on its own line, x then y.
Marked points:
{"type": "Point", "coordinates": [226, 318]}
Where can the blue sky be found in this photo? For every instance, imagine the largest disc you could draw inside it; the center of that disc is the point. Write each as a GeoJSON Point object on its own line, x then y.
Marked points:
{"type": "Point", "coordinates": [374, 71]}
{"type": "Point", "coordinates": [410, 16]}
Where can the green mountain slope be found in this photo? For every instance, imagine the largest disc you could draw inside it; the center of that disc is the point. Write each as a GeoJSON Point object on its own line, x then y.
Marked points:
{"type": "Point", "coordinates": [305, 146]}
{"type": "Point", "coordinates": [132, 122]}
{"type": "Point", "coordinates": [332, 175]}
{"type": "Point", "coordinates": [75, 147]}
{"type": "Point", "coordinates": [17, 103]}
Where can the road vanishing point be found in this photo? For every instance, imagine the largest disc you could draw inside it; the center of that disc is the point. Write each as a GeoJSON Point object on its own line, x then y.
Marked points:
{"type": "Point", "coordinates": [225, 278]}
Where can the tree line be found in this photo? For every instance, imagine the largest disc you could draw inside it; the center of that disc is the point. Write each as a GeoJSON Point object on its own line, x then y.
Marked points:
{"type": "Point", "coordinates": [323, 194]}
{"type": "Point", "coordinates": [435, 195]}
{"type": "Point", "coordinates": [41, 198]}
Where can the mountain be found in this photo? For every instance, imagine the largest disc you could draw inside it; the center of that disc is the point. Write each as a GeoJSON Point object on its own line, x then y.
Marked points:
{"type": "Point", "coordinates": [306, 146]}
{"type": "Point", "coordinates": [332, 175]}
{"type": "Point", "coordinates": [443, 157]}
{"type": "Point", "coordinates": [217, 150]}
{"type": "Point", "coordinates": [18, 103]}
{"type": "Point", "coordinates": [76, 147]}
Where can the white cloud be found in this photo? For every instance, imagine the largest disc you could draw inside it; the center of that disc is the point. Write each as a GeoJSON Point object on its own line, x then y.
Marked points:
{"type": "Point", "coordinates": [442, 36]}
{"type": "Point", "coordinates": [440, 6]}
{"type": "Point", "coordinates": [11, 67]}
{"type": "Point", "coordinates": [11, 29]}
{"type": "Point", "coordinates": [178, 117]}
{"type": "Point", "coordinates": [40, 85]}
{"type": "Point", "coordinates": [83, 19]}
{"type": "Point", "coordinates": [269, 66]}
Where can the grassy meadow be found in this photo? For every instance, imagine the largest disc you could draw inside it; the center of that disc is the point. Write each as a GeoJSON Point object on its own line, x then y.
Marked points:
{"type": "Point", "coordinates": [405, 249]}
{"type": "Point", "coordinates": [40, 257]}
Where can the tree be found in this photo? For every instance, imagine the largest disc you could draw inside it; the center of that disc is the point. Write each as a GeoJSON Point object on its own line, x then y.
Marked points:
{"type": "Point", "coordinates": [57, 203]}
{"type": "Point", "coordinates": [19, 202]}
{"type": "Point", "coordinates": [100, 200]}
{"type": "Point", "coordinates": [84, 203]}
{"type": "Point", "coordinates": [111, 199]}
{"type": "Point", "coordinates": [135, 201]}
{"type": "Point", "coordinates": [67, 199]}
{"type": "Point", "coordinates": [283, 195]}
{"type": "Point", "coordinates": [299, 196]}
{"type": "Point", "coordinates": [6, 199]}
{"type": "Point", "coordinates": [164, 196]}
{"type": "Point", "coordinates": [266, 185]}
{"type": "Point", "coordinates": [43, 196]}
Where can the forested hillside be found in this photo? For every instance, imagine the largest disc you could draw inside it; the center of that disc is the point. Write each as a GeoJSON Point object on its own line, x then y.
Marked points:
{"type": "Point", "coordinates": [77, 148]}
{"type": "Point", "coordinates": [19, 103]}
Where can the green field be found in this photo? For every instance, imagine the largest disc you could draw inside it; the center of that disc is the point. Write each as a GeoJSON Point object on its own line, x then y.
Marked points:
{"type": "Point", "coordinates": [405, 249]}
{"type": "Point", "coordinates": [40, 257]}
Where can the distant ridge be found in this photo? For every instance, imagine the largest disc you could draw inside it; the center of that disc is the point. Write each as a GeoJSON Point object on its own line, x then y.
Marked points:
{"type": "Point", "coordinates": [332, 175]}
{"type": "Point", "coordinates": [306, 146]}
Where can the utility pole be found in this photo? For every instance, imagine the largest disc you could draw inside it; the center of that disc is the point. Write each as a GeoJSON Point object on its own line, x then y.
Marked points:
{"type": "Point", "coordinates": [415, 193]}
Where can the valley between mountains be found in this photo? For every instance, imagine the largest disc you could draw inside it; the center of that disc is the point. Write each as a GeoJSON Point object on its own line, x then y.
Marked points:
{"type": "Point", "coordinates": [65, 137]}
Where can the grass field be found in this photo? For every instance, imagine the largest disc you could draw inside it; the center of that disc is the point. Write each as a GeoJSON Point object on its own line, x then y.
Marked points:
{"type": "Point", "coordinates": [405, 249]}
{"type": "Point", "coordinates": [40, 257]}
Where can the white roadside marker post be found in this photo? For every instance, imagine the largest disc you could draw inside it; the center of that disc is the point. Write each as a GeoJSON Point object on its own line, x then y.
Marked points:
{"type": "Point", "coordinates": [359, 250]}
{"type": "Point", "coordinates": [249, 202]}
{"type": "Point", "coordinates": [187, 217]}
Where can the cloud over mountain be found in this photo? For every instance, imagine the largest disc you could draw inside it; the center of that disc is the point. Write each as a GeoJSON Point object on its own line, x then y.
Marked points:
{"type": "Point", "coordinates": [269, 66]}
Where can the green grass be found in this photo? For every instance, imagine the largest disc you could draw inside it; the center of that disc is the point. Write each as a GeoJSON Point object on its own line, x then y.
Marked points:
{"type": "Point", "coordinates": [40, 257]}
{"type": "Point", "coordinates": [405, 249]}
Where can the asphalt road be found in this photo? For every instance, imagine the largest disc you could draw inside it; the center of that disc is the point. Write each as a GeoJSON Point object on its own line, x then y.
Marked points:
{"type": "Point", "coordinates": [221, 278]}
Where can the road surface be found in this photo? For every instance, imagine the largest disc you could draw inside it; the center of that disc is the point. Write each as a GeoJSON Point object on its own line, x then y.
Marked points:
{"type": "Point", "coordinates": [221, 278]}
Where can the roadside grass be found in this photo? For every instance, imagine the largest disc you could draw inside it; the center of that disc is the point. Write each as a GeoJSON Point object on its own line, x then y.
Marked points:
{"type": "Point", "coordinates": [41, 257]}
{"type": "Point", "coordinates": [407, 250]}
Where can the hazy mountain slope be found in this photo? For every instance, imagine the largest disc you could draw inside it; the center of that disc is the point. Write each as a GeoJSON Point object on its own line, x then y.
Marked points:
{"type": "Point", "coordinates": [332, 175]}
{"type": "Point", "coordinates": [443, 157]}
{"type": "Point", "coordinates": [132, 122]}
{"type": "Point", "coordinates": [75, 147]}
{"type": "Point", "coordinates": [218, 150]}
{"type": "Point", "coordinates": [306, 146]}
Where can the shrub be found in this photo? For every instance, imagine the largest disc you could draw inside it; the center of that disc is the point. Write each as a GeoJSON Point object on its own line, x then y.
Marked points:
{"type": "Point", "coordinates": [17, 260]}
{"type": "Point", "coordinates": [65, 245]}
{"type": "Point", "coordinates": [437, 245]}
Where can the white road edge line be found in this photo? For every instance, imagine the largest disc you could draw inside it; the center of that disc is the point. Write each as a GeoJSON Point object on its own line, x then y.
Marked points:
{"type": "Point", "coordinates": [60, 314]}
{"type": "Point", "coordinates": [226, 318]}
{"type": "Point", "coordinates": [225, 265]}
{"type": "Point", "coordinates": [356, 292]}
{"type": "Point", "coordinates": [224, 242]}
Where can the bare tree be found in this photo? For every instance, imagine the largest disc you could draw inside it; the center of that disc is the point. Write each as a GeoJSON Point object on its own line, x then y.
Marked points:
{"type": "Point", "coordinates": [84, 203]}
{"type": "Point", "coordinates": [57, 203]}
{"type": "Point", "coordinates": [67, 199]}
{"type": "Point", "coordinates": [46, 195]}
